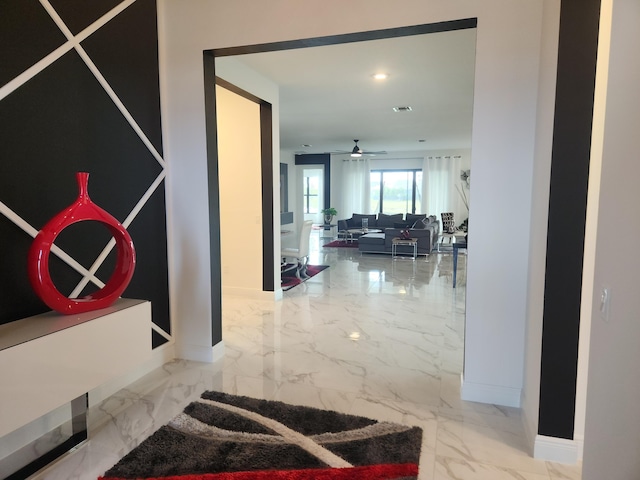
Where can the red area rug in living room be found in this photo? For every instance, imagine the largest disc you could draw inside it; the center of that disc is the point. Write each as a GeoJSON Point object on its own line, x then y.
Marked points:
{"type": "Point", "coordinates": [227, 437]}
{"type": "Point", "coordinates": [289, 279]}
{"type": "Point", "coordinates": [342, 243]}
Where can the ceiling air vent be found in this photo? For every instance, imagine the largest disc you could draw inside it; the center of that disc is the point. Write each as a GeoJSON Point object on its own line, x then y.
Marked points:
{"type": "Point", "coordinates": [402, 109]}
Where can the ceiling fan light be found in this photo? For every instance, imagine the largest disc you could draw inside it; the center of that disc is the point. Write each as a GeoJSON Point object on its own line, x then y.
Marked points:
{"type": "Point", "coordinates": [356, 154]}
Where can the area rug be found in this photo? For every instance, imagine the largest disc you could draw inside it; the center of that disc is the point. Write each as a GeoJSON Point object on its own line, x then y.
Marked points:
{"type": "Point", "coordinates": [342, 243]}
{"type": "Point", "coordinates": [227, 437]}
{"type": "Point", "coordinates": [289, 279]}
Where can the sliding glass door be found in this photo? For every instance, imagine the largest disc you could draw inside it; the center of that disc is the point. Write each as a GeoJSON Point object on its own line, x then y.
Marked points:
{"type": "Point", "coordinates": [396, 191]}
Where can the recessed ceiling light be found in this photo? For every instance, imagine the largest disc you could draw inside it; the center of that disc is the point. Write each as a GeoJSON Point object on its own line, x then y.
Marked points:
{"type": "Point", "coordinates": [402, 109]}
{"type": "Point", "coordinates": [380, 76]}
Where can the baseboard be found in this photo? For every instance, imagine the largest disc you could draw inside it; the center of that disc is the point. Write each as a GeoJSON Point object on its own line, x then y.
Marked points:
{"type": "Point", "coordinates": [554, 449]}
{"type": "Point", "coordinates": [529, 435]}
{"type": "Point", "coordinates": [251, 293]}
{"type": "Point", "coordinates": [493, 394]}
{"type": "Point", "coordinates": [217, 351]}
{"type": "Point", "coordinates": [195, 353]}
{"type": "Point", "coordinates": [579, 439]}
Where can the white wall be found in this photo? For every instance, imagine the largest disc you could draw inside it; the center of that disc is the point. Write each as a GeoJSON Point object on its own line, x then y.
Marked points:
{"type": "Point", "coordinates": [539, 213]}
{"type": "Point", "coordinates": [504, 130]}
{"type": "Point", "coordinates": [612, 440]}
{"type": "Point", "coordinates": [239, 164]}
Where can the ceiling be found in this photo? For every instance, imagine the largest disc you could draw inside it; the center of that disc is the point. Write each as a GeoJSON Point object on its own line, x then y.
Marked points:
{"type": "Point", "coordinates": [328, 96]}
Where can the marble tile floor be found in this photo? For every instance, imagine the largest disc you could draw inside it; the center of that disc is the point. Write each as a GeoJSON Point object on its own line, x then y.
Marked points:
{"type": "Point", "coordinates": [370, 336]}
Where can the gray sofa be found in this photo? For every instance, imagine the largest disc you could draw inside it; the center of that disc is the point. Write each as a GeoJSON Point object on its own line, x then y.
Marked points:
{"type": "Point", "coordinates": [426, 228]}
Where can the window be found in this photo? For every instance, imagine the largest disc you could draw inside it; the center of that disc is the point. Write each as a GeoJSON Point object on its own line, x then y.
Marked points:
{"type": "Point", "coordinates": [311, 188]}
{"type": "Point", "coordinates": [396, 191]}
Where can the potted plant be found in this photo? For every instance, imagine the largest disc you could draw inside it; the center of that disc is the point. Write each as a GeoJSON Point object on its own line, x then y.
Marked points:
{"type": "Point", "coordinates": [329, 213]}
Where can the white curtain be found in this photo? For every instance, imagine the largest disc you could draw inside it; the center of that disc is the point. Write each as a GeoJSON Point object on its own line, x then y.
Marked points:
{"type": "Point", "coordinates": [440, 177]}
{"type": "Point", "coordinates": [355, 186]}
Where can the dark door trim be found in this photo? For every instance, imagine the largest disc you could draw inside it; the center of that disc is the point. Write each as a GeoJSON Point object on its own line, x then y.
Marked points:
{"type": "Point", "coordinates": [212, 141]}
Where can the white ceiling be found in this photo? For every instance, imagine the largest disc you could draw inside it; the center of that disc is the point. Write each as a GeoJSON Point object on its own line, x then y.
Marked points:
{"type": "Point", "coordinates": [328, 96]}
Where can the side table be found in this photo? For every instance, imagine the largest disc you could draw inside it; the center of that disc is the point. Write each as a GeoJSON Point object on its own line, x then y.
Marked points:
{"type": "Point", "coordinates": [411, 242]}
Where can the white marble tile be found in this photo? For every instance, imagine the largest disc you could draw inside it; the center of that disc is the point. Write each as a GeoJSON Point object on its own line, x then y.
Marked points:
{"type": "Point", "coordinates": [456, 469]}
{"type": "Point", "coordinates": [368, 336]}
{"type": "Point", "coordinates": [486, 439]}
{"type": "Point", "coordinates": [559, 471]}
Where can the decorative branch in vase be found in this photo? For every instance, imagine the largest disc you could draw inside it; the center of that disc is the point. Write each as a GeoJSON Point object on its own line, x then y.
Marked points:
{"type": "Point", "coordinates": [463, 196]}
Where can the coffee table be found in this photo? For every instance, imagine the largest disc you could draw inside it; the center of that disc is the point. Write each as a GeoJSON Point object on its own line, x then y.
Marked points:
{"type": "Point", "coordinates": [354, 233]}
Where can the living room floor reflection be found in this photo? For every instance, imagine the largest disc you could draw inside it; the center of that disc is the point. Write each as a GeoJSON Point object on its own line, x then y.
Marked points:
{"type": "Point", "coordinates": [369, 335]}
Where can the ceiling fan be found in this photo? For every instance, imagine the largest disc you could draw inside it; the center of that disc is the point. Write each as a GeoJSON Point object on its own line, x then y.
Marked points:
{"type": "Point", "coordinates": [358, 152]}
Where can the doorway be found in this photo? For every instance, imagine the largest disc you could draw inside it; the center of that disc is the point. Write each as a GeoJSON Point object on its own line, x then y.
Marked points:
{"type": "Point", "coordinates": [210, 75]}
{"type": "Point", "coordinates": [312, 194]}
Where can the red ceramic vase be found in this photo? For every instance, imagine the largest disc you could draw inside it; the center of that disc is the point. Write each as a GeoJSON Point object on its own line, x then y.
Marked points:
{"type": "Point", "coordinates": [38, 259]}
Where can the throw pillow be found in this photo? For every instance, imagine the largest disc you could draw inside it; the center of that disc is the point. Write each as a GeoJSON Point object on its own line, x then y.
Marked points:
{"type": "Point", "coordinates": [387, 221]}
{"type": "Point", "coordinates": [357, 219]}
{"type": "Point", "coordinates": [419, 224]}
{"type": "Point", "coordinates": [412, 217]}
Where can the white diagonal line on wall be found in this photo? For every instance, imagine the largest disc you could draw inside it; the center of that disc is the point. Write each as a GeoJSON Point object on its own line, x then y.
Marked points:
{"type": "Point", "coordinates": [120, 105]}
{"type": "Point", "coordinates": [32, 71]}
{"type": "Point", "coordinates": [18, 220]}
{"type": "Point", "coordinates": [75, 40]}
{"type": "Point", "coordinates": [143, 200]}
{"type": "Point", "coordinates": [24, 225]}
{"type": "Point", "coordinates": [161, 332]}
{"type": "Point", "coordinates": [107, 249]}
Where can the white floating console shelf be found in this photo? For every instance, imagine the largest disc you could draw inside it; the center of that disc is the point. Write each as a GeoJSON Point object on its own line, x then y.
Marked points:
{"type": "Point", "coordinates": [49, 360]}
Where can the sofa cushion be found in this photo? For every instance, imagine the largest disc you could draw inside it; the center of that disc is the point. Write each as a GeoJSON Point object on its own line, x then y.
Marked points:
{"type": "Point", "coordinates": [401, 225]}
{"type": "Point", "coordinates": [412, 217]}
{"type": "Point", "coordinates": [420, 224]}
{"type": "Point", "coordinates": [357, 220]}
{"type": "Point", "coordinates": [372, 239]}
{"type": "Point", "coordinates": [387, 221]}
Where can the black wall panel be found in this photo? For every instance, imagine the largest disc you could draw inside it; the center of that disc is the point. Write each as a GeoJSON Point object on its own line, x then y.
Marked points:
{"type": "Point", "coordinates": [79, 14]}
{"type": "Point", "coordinates": [27, 34]}
{"type": "Point", "coordinates": [578, 42]}
{"type": "Point", "coordinates": [132, 73]}
{"type": "Point", "coordinates": [62, 121]}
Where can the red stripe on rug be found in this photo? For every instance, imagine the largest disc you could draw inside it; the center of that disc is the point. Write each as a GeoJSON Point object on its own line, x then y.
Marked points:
{"type": "Point", "coordinates": [369, 472]}
{"type": "Point", "coordinates": [342, 243]}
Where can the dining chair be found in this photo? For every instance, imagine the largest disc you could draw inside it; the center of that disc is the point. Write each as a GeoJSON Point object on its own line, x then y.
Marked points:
{"type": "Point", "coordinates": [300, 254]}
{"type": "Point", "coordinates": [448, 223]}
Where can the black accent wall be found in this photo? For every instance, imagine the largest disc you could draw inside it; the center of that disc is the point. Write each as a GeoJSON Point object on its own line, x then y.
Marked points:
{"type": "Point", "coordinates": [62, 120]}
{"type": "Point", "coordinates": [578, 42]}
